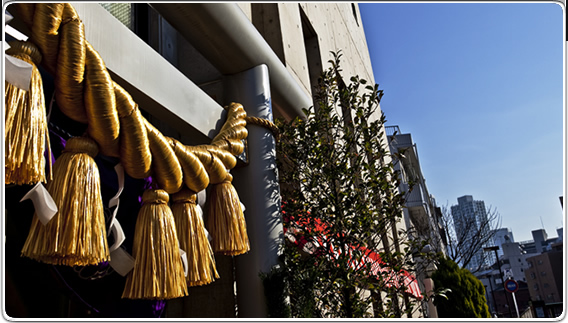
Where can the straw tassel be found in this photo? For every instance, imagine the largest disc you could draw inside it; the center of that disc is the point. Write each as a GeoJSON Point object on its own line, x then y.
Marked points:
{"type": "Point", "coordinates": [226, 221]}
{"type": "Point", "coordinates": [158, 270]}
{"type": "Point", "coordinates": [76, 235]}
{"type": "Point", "coordinates": [193, 239]}
{"type": "Point", "coordinates": [26, 133]}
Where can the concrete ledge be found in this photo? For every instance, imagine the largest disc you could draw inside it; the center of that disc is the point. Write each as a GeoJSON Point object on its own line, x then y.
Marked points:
{"type": "Point", "coordinates": [157, 86]}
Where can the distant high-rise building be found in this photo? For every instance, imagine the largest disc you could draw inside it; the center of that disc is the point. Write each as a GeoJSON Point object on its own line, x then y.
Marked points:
{"type": "Point", "coordinates": [502, 236]}
{"type": "Point", "coordinates": [540, 237]}
{"type": "Point", "coordinates": [470, 222]}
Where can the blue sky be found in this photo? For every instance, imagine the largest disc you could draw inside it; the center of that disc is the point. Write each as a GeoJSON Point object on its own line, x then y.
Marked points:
{"type": "Point", "coordinates": [480, 88]}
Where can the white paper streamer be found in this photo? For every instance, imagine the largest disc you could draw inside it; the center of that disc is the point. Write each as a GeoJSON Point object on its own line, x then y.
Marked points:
{"type": "Point", "coordinates": [18, 72]}
{"type": "Point", "coordinates": [115, 227]}
{"type": "Point", "coordinates": [184, 260]}
{"type": "Point", "coordinates": [121, 261]}
{"type": "Point", "coordinates": [15, 33]}
{"type": "Point", "coordinates": [201, 198]}
{"type": "Point", "coordinates": [116, 230]}
{"type": "Point", "coordinates": [43, 203]}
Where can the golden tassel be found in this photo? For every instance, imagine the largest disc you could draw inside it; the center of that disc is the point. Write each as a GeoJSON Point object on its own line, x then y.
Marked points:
{"type": "Point", "coordinates": [25, 119]}
{"type": "Point", "coordinates": [226, 221]}
{"type": "Point", "coordinates": [158, 270]}
{"type": "Point", "coordinates": [76, 235]}
{"type": "Point", "coordinates": [192, 239]}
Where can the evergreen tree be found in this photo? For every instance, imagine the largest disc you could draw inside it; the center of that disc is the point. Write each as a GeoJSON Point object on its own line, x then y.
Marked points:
{"type": "Point", "coordinates": [466, 298]}
{"type": "Point", "coordinates": [340, 201]}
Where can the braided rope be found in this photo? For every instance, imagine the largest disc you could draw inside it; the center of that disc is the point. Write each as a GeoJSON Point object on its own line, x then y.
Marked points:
{"type": "Point", "coordinates": [266, 124]}
{"type": "Point", "coordinates": [86, 93]}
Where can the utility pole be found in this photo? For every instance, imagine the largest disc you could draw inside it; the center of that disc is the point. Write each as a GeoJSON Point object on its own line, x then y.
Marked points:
{"type": "Point", "coordinates": [495, 248]}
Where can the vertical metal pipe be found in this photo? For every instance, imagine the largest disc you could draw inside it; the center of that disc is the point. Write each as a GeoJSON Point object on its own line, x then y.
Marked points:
{"type": "Point", "coordinates": [490, 277]}
{"type": "Point", "coordinates": [503, 282]}
{"type": "Point", "coordinates": [429, 287]}
{"type": "Point", "coordinates": [258, 188]}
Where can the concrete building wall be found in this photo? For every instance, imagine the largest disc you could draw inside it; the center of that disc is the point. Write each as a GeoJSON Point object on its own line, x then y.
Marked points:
{"type": "Point", "coordinates": [516, 260]}
{"type": "Point", "coordinates": [544, 277]}
{"type": "Point", "coordinates": [540, 237]}
{"type": "Point", "coordinates": [500, 238]}
{"type": "Point", "coordinates": [337, 26]}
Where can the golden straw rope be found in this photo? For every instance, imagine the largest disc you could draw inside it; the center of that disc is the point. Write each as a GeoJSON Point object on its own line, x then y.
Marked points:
{"type": "Point", "coordinates": [86, 93]}
{"type": "Point", "coordinates": [266, 124]}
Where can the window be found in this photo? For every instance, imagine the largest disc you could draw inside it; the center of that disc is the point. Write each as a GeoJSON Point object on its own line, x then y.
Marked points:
{"type": "Point", "coordinates": [355, 13]}
{"type": "Point", "coordinates": [535, 286]}
{"type": "Point", "coordinates": [529, 263]}
{"type": "Point", "coordinates": [543, 273]}
{"type": "Point", "coordinates": [533, 276]}
{"type": "Point", "coordinates": [540, 262]}
{"type": "Point", "coordinates": [545, 285]}
{"type": "Point", "coordinates": [122, 12]}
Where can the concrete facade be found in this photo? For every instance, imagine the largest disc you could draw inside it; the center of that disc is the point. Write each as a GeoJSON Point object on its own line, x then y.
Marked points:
{"type": "Point", "coordinates": [544, 276]}
{"type": "Point", "coordinates": [421, 214]}
{"type": "Point", "coordinates": [501, 236]}
{"type": "Point", "coordinates": [304, 34]}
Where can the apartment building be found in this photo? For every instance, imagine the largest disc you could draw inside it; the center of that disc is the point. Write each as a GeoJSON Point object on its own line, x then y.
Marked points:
{"type": "Point", "coordinates": [544, 278]}
{"type": "Point", "coordinates": [421, 214]}
{"type": "Point", "coordinates": [422, 217]}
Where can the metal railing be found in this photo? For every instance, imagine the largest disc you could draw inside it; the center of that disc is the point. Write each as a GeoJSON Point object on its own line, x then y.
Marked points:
{"type": "Point", "coordinates": [391, 130]}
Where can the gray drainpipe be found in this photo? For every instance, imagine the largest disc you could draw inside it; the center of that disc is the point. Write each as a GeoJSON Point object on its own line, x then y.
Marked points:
{"type": "Point", "coordinates": [258, 188]}
{"type": "Point", "coordinates": [223, 34]}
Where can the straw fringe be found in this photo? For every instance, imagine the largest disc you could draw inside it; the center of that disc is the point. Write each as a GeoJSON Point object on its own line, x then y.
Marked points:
{"type": "Point", "coordinates": [26, 134]}
{"type": "Point", "coordinates": [76, 235]}
{"type": "Point", "coordinates": [192, 238]}
{"type": "Point", "coordinates": [158, 271]}
{"type": "Point", "coordinates": [226, 221]}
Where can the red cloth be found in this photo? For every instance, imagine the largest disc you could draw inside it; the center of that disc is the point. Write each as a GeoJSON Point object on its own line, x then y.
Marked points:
{"type": "Point", "coordinates": [377, 264]}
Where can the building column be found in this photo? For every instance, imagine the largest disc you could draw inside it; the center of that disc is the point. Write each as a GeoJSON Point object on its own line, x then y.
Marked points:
{"type": "Point", "coordinates": [429, 288]}
{"type": "Point", "coordinates": [258, 189]}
